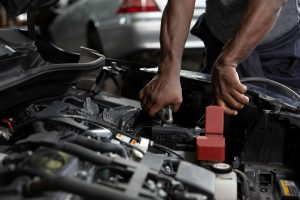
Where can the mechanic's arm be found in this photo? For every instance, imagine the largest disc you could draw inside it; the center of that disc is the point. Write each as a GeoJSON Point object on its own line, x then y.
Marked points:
{"type": "Point", "coordinates": [165, 89]}
{"type": "Point", "coordinates": [258, 19]}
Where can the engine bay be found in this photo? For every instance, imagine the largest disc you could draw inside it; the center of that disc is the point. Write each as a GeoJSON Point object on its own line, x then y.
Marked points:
{"type": "Point", "coordinates": [91, 144]}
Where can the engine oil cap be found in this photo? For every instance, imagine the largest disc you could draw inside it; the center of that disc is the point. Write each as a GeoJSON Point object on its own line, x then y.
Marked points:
{"type": "Point", "coordinates": [221, 168]}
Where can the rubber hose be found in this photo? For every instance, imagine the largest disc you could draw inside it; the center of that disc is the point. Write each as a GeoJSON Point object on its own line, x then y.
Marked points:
{"type": "Point", "coordinates": [101, 146]}
{"type": "Point", "coordinates": [83, 153]}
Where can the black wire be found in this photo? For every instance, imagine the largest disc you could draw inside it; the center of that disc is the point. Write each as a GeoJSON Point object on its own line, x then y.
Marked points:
{"type": "Point", "coordinates": [167, 150]}
{"type": "Point", "coordinates": [201, 121]}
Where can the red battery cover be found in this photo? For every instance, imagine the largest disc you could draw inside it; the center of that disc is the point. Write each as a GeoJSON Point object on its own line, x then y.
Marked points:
{"type": "Point", "coordinates": [211, 147]}
{"type": "Point", "coordinates": [214, 120]}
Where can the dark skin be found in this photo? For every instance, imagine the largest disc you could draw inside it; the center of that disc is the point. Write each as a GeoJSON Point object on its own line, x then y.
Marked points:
{"type": "Point", "coordinates": [165, 88]}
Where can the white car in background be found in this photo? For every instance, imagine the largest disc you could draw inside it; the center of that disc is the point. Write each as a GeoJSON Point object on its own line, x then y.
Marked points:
{"type": "Point", "coordinates": [116, 28]}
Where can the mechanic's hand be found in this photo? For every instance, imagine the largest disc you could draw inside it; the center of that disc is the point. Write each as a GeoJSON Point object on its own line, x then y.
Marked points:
{"type": "Point", "coordinates": [228, 90]}
{"type": "Point", "coordinates": [161, 91]}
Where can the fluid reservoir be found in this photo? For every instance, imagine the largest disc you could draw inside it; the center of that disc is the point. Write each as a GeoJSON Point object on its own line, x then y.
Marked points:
{"type": "Point", "coordinates": [226, 182]}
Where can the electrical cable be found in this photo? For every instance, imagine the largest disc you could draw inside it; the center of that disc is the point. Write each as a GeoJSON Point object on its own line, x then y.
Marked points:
{"type": "Point", "coordinates": [166, 149]}
{"type": "Point", "coordinates": [201, 121]}
{"type": "Point", "coordinates": [72, 98]}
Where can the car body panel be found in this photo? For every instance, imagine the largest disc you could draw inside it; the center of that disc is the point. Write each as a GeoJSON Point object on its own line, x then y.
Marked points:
{"type": "Point", "coordinates": [120, 34]}
{"type": "Point", "coordinates": [69, 28]}
{"type": "Point", "coordinates": [139, 35]}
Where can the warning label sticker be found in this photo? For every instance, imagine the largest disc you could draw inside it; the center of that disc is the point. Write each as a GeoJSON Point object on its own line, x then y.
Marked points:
{"type": "Point", "coordinates": [123, 138]}
{"type": "Point", "coordinates": [289, 188]}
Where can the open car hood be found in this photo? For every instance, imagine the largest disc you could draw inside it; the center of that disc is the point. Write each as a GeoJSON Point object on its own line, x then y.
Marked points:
{"type": "Point", "coordinates": [26, 64]}
{"type": "Point", "coordinates": [31, 66]}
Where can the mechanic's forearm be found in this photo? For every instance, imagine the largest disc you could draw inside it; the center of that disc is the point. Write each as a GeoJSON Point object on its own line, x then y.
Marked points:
{"type": "Point", "coordinates": [176, 22]}
{"type": "Point", "coordinates": [258, 19]}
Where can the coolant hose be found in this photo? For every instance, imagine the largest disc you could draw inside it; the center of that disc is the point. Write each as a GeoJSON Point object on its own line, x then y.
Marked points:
{"type": "Point", "coordinates": [245, 182]}
{"type": "Point", "coordinates": [83, 153]}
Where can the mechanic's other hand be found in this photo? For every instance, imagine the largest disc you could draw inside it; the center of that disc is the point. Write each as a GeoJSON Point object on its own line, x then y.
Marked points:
{"type": "Point", "coordinates": [228, 90]}
{"type": "Point", "coordinates": [161, 91]}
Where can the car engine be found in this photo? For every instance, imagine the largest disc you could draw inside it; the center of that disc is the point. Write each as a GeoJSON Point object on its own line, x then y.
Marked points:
{"type": "Point", "coordinates": [93, 146]}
